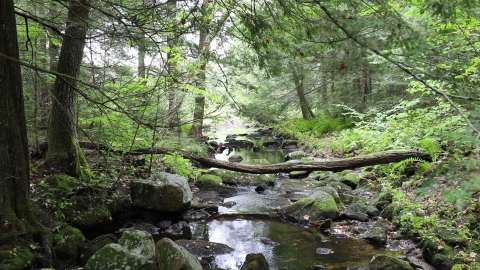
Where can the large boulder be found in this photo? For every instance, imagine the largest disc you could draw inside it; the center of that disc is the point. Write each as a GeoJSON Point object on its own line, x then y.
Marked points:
{"type": "Point", "coordinates": [67, 244]}
{"type": "Point", "coordinates": [208, 180]}
{"type": "Point", "coordinates": [244, 179]}
{"type": "Point", "coordinates": [378, 234]}
{"type": "Point", "coordinates": [170, 255]}
{"type": "Point", "coordinates": [162, 192]}
{"type": "Point", "coordinates": [385, 262]}
{"type": "Point", "coordinates": [135, 250]}
{"type": "Point", "coordinates": [204, 249]}
{"type": "Point", "coordinates": [92, 246]}
{"type": "Point", "coordinates": [318, 206]}
{"type": "Point", "coordinates": [115, 256]}
{"type": "Point", "coordinates": [255, 261]}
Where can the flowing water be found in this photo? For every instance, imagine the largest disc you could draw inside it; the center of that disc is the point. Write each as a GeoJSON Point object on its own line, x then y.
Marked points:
{"type": "Point", "coordinates": [285, 246]}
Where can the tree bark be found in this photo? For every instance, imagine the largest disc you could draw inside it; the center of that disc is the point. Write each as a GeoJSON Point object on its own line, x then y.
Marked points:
{"type": "Point", "coordinates": [17, 223]}
{"type": "Point", "coordinates": [64, 154]}
{"type": "Point", "coordinates": [307, 113]}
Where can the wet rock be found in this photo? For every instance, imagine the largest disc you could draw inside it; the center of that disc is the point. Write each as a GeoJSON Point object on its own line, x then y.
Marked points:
{"type": "Point", "coordinates": [170, 255]}
{"type": "Point", "coordinates": [356, 216]}
{"type": "Point", "coordinates": [235, 158]}
{"type": "Point", "coordinates": [179, 228]}
{"type": "Point", "coordinates": [208, 180]}
{"type": "Point", "coordinates": [256, 149]}
{"type": "Point", "coordinates": [259, 189]}
{"type": "Point", "coordinates": [255, 261]}
{"type": "Point", "coordinates": [319, 267]}
{"type": "Point", "coordinates": [267, 241]}
{"type": "Point", "coordinates": [91, 247]}
{"type": "Point", "coordinates": [202, 248]}
{"type": "Point", "coordinates": [164, 224]}
{"type": "Point", "coordinates": [323, 251]}
{"type": "Point", "coordinates": [318, 206]}
{"type": "Point", "coordinates": [298, 174]}
{"type": "Point", "coordinates": [385, 262]}
{"type": "Point", "coordinates": [162, 192]}
{"type": "Point", "coordinates": [197, 214]}
{"type": "Point", "coordinates": [244, 179]}
{"type": "Point", "coordinates": [228, 204]}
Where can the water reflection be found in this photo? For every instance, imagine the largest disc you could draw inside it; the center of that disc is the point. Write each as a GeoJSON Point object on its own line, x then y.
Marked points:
{"type": "Point", "coordinates": [285, 246]}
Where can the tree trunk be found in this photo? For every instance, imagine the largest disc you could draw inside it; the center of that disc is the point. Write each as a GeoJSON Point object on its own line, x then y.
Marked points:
{"type": "Point", "coordinates": [307, 113]}
{"type": "Point", "coordinates": [64, 154]}
{"type": "Point", "coordinates": [17, 222]}
{"type": "Point", "coordinates": [203, 51]}
{"type": "Point", "coordinates": [172, 120]}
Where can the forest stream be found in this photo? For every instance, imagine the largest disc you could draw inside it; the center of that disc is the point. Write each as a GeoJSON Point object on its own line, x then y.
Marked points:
{"type": "Point", "coordinates": [245, 225]}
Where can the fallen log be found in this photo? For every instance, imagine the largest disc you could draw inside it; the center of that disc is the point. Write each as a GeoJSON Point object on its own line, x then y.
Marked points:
{"type": "Point", "coordinates": [329, 165]}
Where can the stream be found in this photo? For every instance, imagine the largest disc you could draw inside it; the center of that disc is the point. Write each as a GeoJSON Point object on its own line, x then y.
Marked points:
{"type": "Point", "coordinates": [246, 225]}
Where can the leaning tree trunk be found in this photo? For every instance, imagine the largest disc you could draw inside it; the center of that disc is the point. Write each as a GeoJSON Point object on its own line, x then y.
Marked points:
{"type": "Point", "coordinates": [307, 113]}
{"type": "Point", "coordinates": [17, 223]}
{"type": "Point", "coordinates": [64, 154]}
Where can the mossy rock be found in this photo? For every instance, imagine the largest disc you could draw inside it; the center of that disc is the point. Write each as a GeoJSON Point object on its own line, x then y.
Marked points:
{"type": "Point", "coordinates": [442, 257]}
{"type": "Point", "coordinates": [91, 247]}
{"type": "Point", "coordinates": [86, 214]}
{"type": "Point", "coordinates": [244, 179]}
{"type": "Point", "coordinates": [62, 184]}
{"type": "Point", "coordinates": [318, 206]}
{"type": "Point", "coordinates": [385, 262]}
{"type": "Point", "coordinates": [332, 192]}
{"type": "Point", "coordinates": [451, 237]}
{"type": "Point", "coordinates": [350, 179]}
{"type": "Point", "coordinates": [138, 242]}
{"type": "Point", "coordinates": [382, 204]}
{"type": "Point", "coordinates": [321, 175]}
{"type": "Point", "coordinates": [255, 261]}
{"type": "Point", "coordinates": [67, 244]}
{"type": "Point", "coordinates": [295, 155]}
{"type": "Point", "coordinates": [116, 203]}
{"type": "Point", "coordinates": [16, 254]}
{"type": "Point", "coordinates": [388, 212]}
{"type": "Point", "coordinates": [384, 196]}
{"type": "Point", "coordinates": [115, 256]}
{"type": "Point", "coordinates": [363, 208]}
{"type": "Point", "coordinates": [170, 255]}
{"type": "Point", "coordinates": [298, 174]}
{"type": "Point", "coordinates": [208, 180]}
{"type": "Point", "coordinates": [339, 187]}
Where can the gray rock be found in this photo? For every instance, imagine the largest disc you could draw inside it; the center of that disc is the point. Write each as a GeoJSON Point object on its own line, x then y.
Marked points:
{"type": "Point", "coordinates": [115, 256]}
{"type": "Point", "coordinates": [235, 158]}
{"type": "Point", "coordinates": [163, 192]}
{"type": "Point", "coordinates": [202, 248]}
{"type": "Point", "coordinates": [138, 242]}
{"type": "Point", "coordinates": [91, 247]}
{"type": "Point", "coordinates": [323, 251]}
{"type": "Point", "coordinates": [170, 255]}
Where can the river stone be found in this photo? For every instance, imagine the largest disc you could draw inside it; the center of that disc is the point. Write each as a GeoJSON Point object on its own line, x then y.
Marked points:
{"type": "Point", "coordinates": [255, 261]}
{"type": "Point", "coordinates": [115, 256]}
{"type": "Point", "coordinates": [163, 192]}
{"type": "Point", "coordinates": [208, 180]}
{"type": "Point", "coordinates": [318, 206]}
{"type": "Point", "coordinates": [379, 232]}
{"type": "Point", "coordinates": [67, 244]}
{"type": "Point", "coordinates": [170, 255]}
{"type": "Point", "coordinates": [235, 158]}
{"type": "Point", "coordinates": [245, 179]}
{"type": "Point", "coordinates": [138, 242]}
{"type": "Point", "coordinates": [333, 192]}
{"type": "Point", "coordinates": [350, 179]}
{"type": "Point", "coordinates": [203, 249]}
{"type": "Point", "coordinates": [298, 174]}
{"type": "Point", "coordinates": [385, 262]}
{"type": "Point", "coordinates": [340, 187]}
{"type": "Point", "coordinates": [91, 247]}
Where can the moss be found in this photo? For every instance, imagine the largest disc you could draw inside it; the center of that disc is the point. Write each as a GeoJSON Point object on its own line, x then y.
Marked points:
{"type": "Point", "coordinates": [350, 179]}
{"type": "Point", "coordinates": [385, 262]}
{"type": "Point", "coordinates": [63, 184]}
{"type": "Point", "coordinates": [17, 256]}
{"type": "Point", "coordinates": [85, 214]}
{"type": "Point", "coordinates": [451, 236]}
{"type": "Point", "coordinates": [115, 256]}
{"type": "Point", "coordinates": [68, 242]}
{"type": "Point", "coordinates": [209, 180]}
{"type": "Point", "coordinates": [66, 156]}
{"type": "Point", "coordinates": [441, 256]}
{"type": "Point", "coordinates": [243, 179]}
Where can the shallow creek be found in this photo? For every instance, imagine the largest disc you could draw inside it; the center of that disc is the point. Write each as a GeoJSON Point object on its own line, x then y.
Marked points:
{"type": "Point", "coordinates": [247, 228]}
